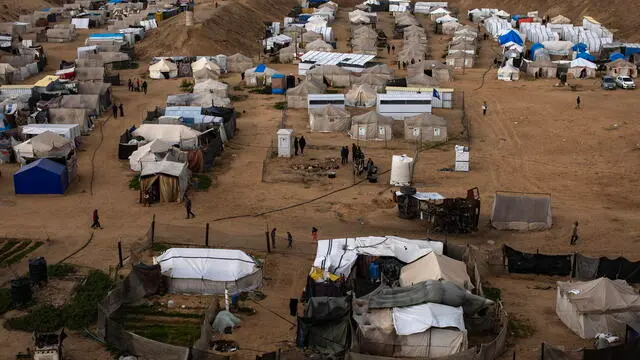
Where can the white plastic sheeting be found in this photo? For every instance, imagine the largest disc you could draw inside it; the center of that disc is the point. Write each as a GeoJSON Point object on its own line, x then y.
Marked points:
{"type": "Point", "coordinates": [147, 153]}
{"type": "Point", "coordinates": [208, 264]}
{"type": "Point", "coordinates": [173, 134]}
{"type": "Point", "coordinates": [419, 318]}
{"type": "Point", "coordinates": [338, 255]}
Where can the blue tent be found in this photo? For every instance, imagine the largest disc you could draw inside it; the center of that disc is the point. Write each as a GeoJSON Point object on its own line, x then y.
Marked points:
{"type": "Point", "coordinates": [260, 68]}
{"type": "Point", "coordinates": [586, 56]}
{"type": "Point", "coordinates": [615, 56]}
{"type": "Point", "coordinates": [633, 49]}
{"type": "Point", "coordinates": [512, 36]}
{"type": "Point", "coordinates": [580, 47]}
{"type": "Point", "coordinates": [42, 176]}
{"type": "Point", "coordinates": [535, 47]}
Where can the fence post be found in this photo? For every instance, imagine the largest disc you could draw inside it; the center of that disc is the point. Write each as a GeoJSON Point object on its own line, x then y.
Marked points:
{"type": "Point", "coordinates": [542, 351]}
{"type": "Point", "coordinates": [120, 254]}
{"type": "Point", "coordinates": [206, 236]}
{"type": "Point", "coordinates": [266, 234]}
{"type": "Point", "coordinates": [153, 228]}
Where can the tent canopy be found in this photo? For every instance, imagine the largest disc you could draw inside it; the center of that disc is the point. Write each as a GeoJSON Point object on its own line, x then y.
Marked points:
{"type": "Point", "coordinates": [147, 153]}
{"type": "Point", "coordinates": [42, 176]}
{"type": "Point", "coordinates": [209, 264]}
{"type": "Point", "coordinates": [521, 211]}
{"type": "Point", "coordinates": [435, 267]}
{"type": "Point", "coordinates": [580, 62]}
{"type": "Point", "coordinates": [586, 56]}
{"type": "Point", "coordinates": [511, 35]}
{"type": "Point", "coordinates": [172, 134]}
{"type": "Point", "coordinates": [419, 318]}
{"type": "Point", "coordinates": [363, 95]}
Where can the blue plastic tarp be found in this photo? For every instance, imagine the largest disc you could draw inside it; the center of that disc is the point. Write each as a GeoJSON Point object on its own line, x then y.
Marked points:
{"type": "Point", "coordinates": [580, 47]}
{"type": "Point", "coordinates": [42, 176]}
{"type": "Point", "coordinates": [260, 68]}
{"type": "Point", "coordinates": [532, 51]}
{"type": "Point", "coordinates": [116, 1]}
{"type": "Point", "coordinates": [615, 56]}
{"type": "Point", "coordinates": [511, 36]}
{"type": "Point", "coordinates": [631, 50]}
{"type": "Point", "coordinates": [108, 35]}
{"type": "Point", "coordinates": [586, 56]}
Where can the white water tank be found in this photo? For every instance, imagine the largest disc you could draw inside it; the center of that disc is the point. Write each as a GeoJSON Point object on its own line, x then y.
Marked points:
{"type": "Point", "coordinates": [285, 142]}
{"type": "Point", "coordinates": [401, 170]}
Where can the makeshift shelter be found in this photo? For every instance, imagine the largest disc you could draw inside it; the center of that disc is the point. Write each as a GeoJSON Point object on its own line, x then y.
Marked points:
{"type": "Point", "coordinates": [7, 73]}
{"type": "Point", "coordinates": [169, 179]}
{"type": "Point", "coordinates": [42, 176]}
{"type": "Point", "coordinates": [371, 126]}
{"type": "Point", "coordinates": [61, 34]}
{"type": "Point", "coordinates": [521, 211]}
{"type": "Point", "coordinates": [150, 152]}
{"type": "Point", "coordinates": [71, 116]}
{"type": "Point", "coordinates": [362, 95]}
{"type": "Point", "coordinates": [581, 68]}
{"type": "Point", "coordinates": [97, 88]}
{"type": "Point", "coordinates": [446, 19]}
{"type": "Point", "coordinates": [238, 63]}
{"type": "Point", "coordinates": [435, 267]}
{"type": "Point", "coordinates": [508, 73]}
{"type": "Point", "coordinates": [318, 45]}
{"type": "Point", "coordinates": [287, 54]}
{"type": "Point", "coordinates": [310, 36]}
{"type": "Point", "coordinates": [598, 306]}
{"type": "Point", "coordinates": [209, 271]}
{"type": "Point", "coordinates": [449, 28]}
{"type": "Point", "coordinates": [44, 145]}
{"type": "Point", "coordinates": [198, 100]}
{"type": "Point", "coordinates": [377, 80]}
{"type": "Point", "coordinates": [204, 63]}
{"type": "Point", "coordinates": [68, 131]}
{"type": "Point", "coordinates": [163, 69]}
{"type": "Point", "coordinates": [438, 13]}
{"type": "Point", "coordinates": [93, 74]}
{"type": "Point", "coordinates": [422, 80]}
{"type": "Point", "coordinates": [379, 69]}
{"type": "Point", "coordinates": [212, 86]}
{"type": "Point", "coordinates": [329, 119]}
{"type": "Point", "coordinates": [560, 20]}
{"type": "Point", "coordinates": [621, 67]}
{"type": "Point", "coordinates": [204, 74]}
{"type": "Point", "coordinates": [511, 36]}
{"type": "Point", "coordinates": [181, 135]}
{"type": "Point", "coordinates": [325, 326]}
{"type": "Point", "coordinates": [259, 76]}
{"type": "Point", "coordinates": [297, 96]}
{"type": "Point", "coordinates": [86, 101]}
{"type": "Point", "coordinates": [544, 68]}
{"type": "Point", "coordinates": [334, 75]}
{"type": "Point", "coordinates": [439, 71]}
{"type": "Point", "coordinates": [426, 128]}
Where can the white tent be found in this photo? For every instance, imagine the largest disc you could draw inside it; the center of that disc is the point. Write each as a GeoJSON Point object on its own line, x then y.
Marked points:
{"type": "Point", "coordinates": [212, 86]}
{"type": "Point", "coordinates": [446, 19]}
{"type": "Point", "coordinates": [339, 255]}
{"type": "Point", "coordinates": [598, 306]}
{"type": "Point", "coordinates": [203, 63]}
{"type": "Point", "coordinates": [163, 69]}
{"type": "Point", "coordinates": [318, 45]}
{"type": "Point", "coordinates": [419, 318]}
{"type": "Point", "coordinates": [362, 95]}
{"type": "Point", "coordinates": [580, 66]}
{"type": "Point", "coordinates": [297, 96]}
{"type": "Point", "coordinates": [560, 20]}
{"type": "Point", "coordinates": [259, 75]}
{"type": "Point", "coordinates": [68, 131]}
{"type": "Point", "coordinates": [329, 118]}
{"type": "Point", "coordinates": [150, 152]}
{"type": "Point", "coordinates": [435, 267]}
{"type": "Point", "coordinates": [371, 126]}
{"type": "Point", "coordinates": [209, 271]}
{"type": "Point", "coordinates": [172, 134]}
{"type": "Point", "coordinates": [44, 145]}
{"type": "Point", "coordinates": [508, 73]}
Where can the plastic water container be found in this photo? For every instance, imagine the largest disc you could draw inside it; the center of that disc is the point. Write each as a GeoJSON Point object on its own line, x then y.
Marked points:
{"type": "Point", "coordinates": [401, 170]}
{"type": "Point", "coordinates": [21, 290]}
{"type": "Point", "coordinates": [38, 270]}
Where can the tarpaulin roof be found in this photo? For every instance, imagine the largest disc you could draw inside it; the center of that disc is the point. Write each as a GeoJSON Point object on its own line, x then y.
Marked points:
{"type": "Point", "coordinates": [511, 35]}
{"type": "Point", "coordinates": [581, 62]}
{"type": "Point", "coordinates": [586, 56]}
{"type": "Point", "coordinates": [601, 295]}
{"type": "Point", "coordinates": [416, 319]}
{"type": "Point", "coordinates": [435, 267]}
{"type": "Point", "coordinates": [169, 133]}
{"type": "Point", "coordinates": [580, 47]}
{"type": "Point", "coordinates": [208, 264]}
{"type": "Point", "coordinates": [260, 68]}
{"type": "Point", "coordinates": [615, 56]}
{"type": "Point", "coordinates": [339, 255]}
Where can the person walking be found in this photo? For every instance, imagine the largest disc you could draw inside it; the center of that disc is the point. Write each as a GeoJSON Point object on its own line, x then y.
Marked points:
{"type": "Point", "coordinates": [574, 233]}
{"type": "Point", "coordinates": [137, 84]}
{"type": "Point", "coordinates": [342, 154]}
{"type": "Point", "coordinates": [346, 154]}
{"type": "Point", "coordinates": [289, 240]}
{"type": "Point", "coordinates": [114, 108]}
{"type": "Point", "coordinates": [393, 49]}
{"type": "Point", "coordinates": [273, 238]}
{"type": "Point", "coordinates": [388, 49]}
{"type": "Point", "coordinates": [314, 234]}
{"type": "Point", "coordinates": [296, 146]}
{"type": "Point", "coordinates": [484, 108]}
{"type": "Point", "coordinates": [242, 76]}
{"type": "Point", "coordinates": [121, 107]}
{"type": "Point", "coordinates": [144, 87]}
{"type": "Point", "coordinates": [130, 84]}
{"type": "Point", "coordinates": [578, 102]}
{"type": "Point", "coordinates": [187, 206]}
{"type": "Point", "coordinates": [96, 220]}
{"type": "Point", "coordinates": [302, 142]}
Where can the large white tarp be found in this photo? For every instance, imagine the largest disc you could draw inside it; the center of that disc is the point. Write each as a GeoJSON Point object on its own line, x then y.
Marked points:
{"type": "Point", "coordinates": [207, 264]}
{"type": "Point", "coordinates": [172, 134]}
{"type": "Point", "coordinates": [147, 153]}
{"type": "Point", "coordinates": [419, 318]}
{"type": "Point", "coordinates": [338, 255]}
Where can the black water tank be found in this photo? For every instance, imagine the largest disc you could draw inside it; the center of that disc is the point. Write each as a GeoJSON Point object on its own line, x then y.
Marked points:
{"type": "Point", "coordinates": [291, 81]}
{"type": "Point", "coordinates": [20, 290]}
{"type": "Point", "coordinates": [38, 270]}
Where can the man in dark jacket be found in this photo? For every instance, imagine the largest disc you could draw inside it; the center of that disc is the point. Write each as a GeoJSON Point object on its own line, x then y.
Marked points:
{"type": "Point", "coordinates": [273, 238]}
{"type": "Point", "coordinates": [295, 145]}
{"type": "Point", "coordinates": [114, 108]}
{"type": "Point", "coordinates": [121, 107]}
{"type": "Point", "coordinates": [187, 206]}
{"type": "Point", "coordinates": [302, 142]}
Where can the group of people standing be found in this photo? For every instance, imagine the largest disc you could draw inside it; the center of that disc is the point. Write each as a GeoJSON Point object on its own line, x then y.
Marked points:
{"type": "Point", "coordinates": [115, 109]}
{"type": "Point", "coordinates": [314, 237]}
{"type": "Point", "coordinates": [299, 144]}
{"type": "Point", "coordinates": [137, 86]}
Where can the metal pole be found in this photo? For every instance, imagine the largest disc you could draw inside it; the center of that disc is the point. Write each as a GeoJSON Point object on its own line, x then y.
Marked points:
{"type": "Point", "coordinates": [120, 263]}
{"type": "Point", "coordinates": [266, 234]}
{"type": "Point", "coordinates": [153, 228]}
{"type": "Point", "coordinates": [206, 236]}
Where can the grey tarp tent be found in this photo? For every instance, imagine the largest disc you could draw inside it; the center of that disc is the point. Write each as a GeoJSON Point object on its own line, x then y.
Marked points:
{"type": "Point", "coordinates": [71, 116]}
{"type": "Point", "coordinates": [329, 119]}
{"type": "Point", "coordinates": [333, 74]}
{"type": "Point", "coordinates": [425, 127]}
{"type": "Point", "coordinates": [238, 63]}
{"type": "Point", "coordinates": [371, 126]}
{"type": "Point", "coordinates": [325, 326]}
{"type": "Point", "coordinates": [521, 211]}
{"type": "Point", "coordinates": [297, 96]}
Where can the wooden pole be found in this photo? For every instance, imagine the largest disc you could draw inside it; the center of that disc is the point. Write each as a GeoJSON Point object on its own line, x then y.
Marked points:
{"type": "Point", "coordinates": [153, 228]}
{"type": "Point", "coordinates": [120, 261]}
{"type": "Point", "coordinates": [206, 236]}
{"type": "Point", "coordinates": [266, 234]}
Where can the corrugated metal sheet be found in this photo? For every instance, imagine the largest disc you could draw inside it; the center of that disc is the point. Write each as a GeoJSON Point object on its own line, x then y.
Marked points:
{"type": "Point", "coordinates": [332, 58]}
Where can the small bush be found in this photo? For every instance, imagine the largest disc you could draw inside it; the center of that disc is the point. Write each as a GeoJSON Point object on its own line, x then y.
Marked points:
{"type": "Point", "coordinates": [186, 86]}
{"type": "Point", "coordinates": [201, 182]}
{"type": "Point", "coordinates": [492, 293]}
{"type": "Point", "coordinates": [237, 98]}
{"type": "Point", "coordinates": [261, 90]}
{"type": "Point", "coordinates": [280, 105]}
{"type": "Point", "coordinates": [60, 270]}
{"type": "Point", "coordinates": [521, 328]}
{"type": "Point", "coordinates": [134, 183]}
{"type": "Point", "coordinates": [238, 88]}
{"type": "Point", "coordinates": [159, 247]}
{"type": "Point", "coordinates": [43, 318]}
{"type": "Point", "coordinates": [5, 301]}
{"type": "Point", "coordinates": [332, 91]}
{"type": "Point", "coordinates": [81, 310]}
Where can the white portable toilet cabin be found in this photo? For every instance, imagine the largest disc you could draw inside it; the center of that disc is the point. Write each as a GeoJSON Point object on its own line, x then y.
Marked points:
{"type": "Point", "coordinates": [462, 158]}
{"type": "Point", "coordinates": [401, 170]}
{"type": "Point", "coordinates": [285, 142]}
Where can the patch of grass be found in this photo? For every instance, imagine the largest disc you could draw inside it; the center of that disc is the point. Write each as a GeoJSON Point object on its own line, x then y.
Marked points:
{"type": "Point", "coordinates": [176, 334]}
{"type": "Point", "coordinates": [237, 98]}
{"type": "Point", "coordinates": [238, 88]}
{"type": "Point", "coordinates": [280, 105]}
{"type": "Point", "coordinates": [134, 183]}
{"type": "Point", "coordinates": [492, 293]}
{"type": "Point", "coordinates": [43, 318]}
{"type": "Point", "coordinates": [150, 310]}
{"type": "Point", "coordinates": [5, 301]}
{"type": "Point", "coordinates": [261, 90]}
{"type": "Point", "coordinates": [8, 245]}
{"type": "Point", "coordinates": [23, 245]}
{"type": "Point", "coordinates": [60, 270]}
{"type": "Point", "coordinates": [159, 247]}
{"type": "Point", "coordinates": [186, 86]}
{"type": "Point", "coordinates": [81, 310]}
{"type": "Point", "coordinates": [332, 91]}
{"type": "Point", "coordinates": [521, 328]}
{"type": "Point", "coordinates": [21, 255]}
{"type": "Point", "coordinates": [201, 182]}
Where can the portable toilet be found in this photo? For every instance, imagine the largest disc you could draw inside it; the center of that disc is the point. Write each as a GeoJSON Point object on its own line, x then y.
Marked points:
{"type": "Point", "coordinates": [278, 84]}
{"type": "Point", "coordinates": [285, 142]}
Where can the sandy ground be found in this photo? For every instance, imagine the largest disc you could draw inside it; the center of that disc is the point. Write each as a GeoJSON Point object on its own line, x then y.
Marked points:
{"type": "Point", "coordinates": [532, 140]}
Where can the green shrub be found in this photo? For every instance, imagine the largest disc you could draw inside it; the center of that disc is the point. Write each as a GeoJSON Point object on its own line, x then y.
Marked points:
{"type": "Point", "coordinates": [60, 270]}
{"type": "Point", "coordinates": [81, 310]}
{"type": "Point", "coordinates": [43, 318]}
{"type": "Point", "coordinates": [492, 293]}
{"type": "Point", "coordinates": [134, 183]}
{"type": "Point", "coordinates": [280, 105]}
{"type": "Point", "coordinates": [521, 328]}
{"type": "Point", "coordinates": [159, 247]}
{"type": "Point", "coordinates": [238, 98]}
{"type": "Point", "coordinates": [186, 86]}
{"type": "Point", "coordinates": [201, 182]}
{"type": "Point", "coordinates": [261, 90]}
{"type": "Point", "coordinates": [5, 301]}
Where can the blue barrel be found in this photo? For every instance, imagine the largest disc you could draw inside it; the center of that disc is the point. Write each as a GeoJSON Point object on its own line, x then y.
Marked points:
{"type": "Point", "coordinates": [374, 271]}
